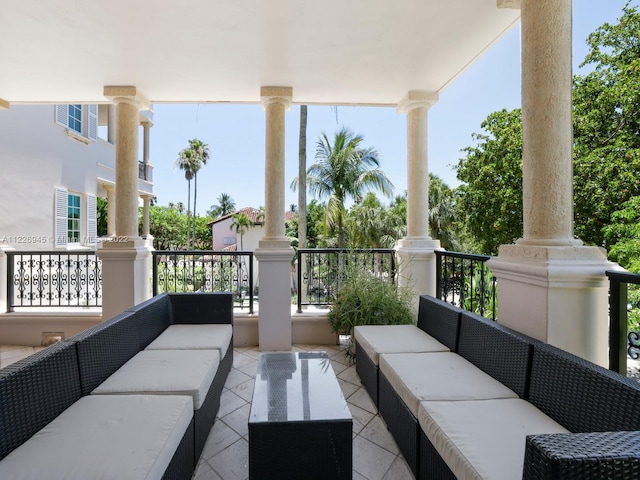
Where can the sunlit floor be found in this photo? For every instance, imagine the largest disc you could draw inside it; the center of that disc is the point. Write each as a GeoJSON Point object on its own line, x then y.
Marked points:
{"type": "Point", "coordinates": [225, 456]}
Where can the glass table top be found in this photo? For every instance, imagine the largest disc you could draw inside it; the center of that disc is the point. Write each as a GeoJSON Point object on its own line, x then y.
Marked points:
{"type": "Point", "coordinates": [297, 386]}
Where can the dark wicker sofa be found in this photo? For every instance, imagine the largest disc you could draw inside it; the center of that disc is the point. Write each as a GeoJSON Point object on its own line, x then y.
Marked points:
{"type": "Point", "coordinates": [599, 409]}
{"type": "Point", "coordinates": [40, 388]}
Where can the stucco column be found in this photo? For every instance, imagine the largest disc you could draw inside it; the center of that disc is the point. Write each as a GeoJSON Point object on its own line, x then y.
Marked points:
{"type": "Point", "coordinates": [126, 259]}
{"type": "Point", "coordinates": [146, 199]}
{"type": "Point", "coordinates": [550, 286]}
{"type": "Point", "coordinates": [111, 126]}
{"type": "Point", "coordinates": [417, 267]}
{"type": "Point", "coordinates": [111, 210]}
{"type": "Point", "coordinates": [274, 252]}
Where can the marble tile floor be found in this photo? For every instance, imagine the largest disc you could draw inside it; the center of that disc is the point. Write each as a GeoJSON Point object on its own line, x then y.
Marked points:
{"type": "Point", "coordinates": [226, 453]}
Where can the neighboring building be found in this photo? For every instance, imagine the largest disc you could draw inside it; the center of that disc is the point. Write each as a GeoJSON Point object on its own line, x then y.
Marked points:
{"type": "Point", "coordinates": [55, 161]}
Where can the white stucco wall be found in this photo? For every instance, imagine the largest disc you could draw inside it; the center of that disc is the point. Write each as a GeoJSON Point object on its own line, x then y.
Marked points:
{"type": "Point", "coordinates": [37, 155]}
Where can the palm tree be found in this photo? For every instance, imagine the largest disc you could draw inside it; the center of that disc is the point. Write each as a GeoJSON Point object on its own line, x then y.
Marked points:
{"type": "Point", "coordinates": [191, 159]}
{"type": "Point", "coordinates": [225, 206]}
{"type": "Point", "coordinates": [344, 169]}
{"type": "Point", "coordinates": [241, 222]}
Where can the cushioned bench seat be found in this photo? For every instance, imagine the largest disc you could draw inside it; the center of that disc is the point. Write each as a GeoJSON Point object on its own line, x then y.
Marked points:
{"type": "Point", "coordinates": [194, 337]}
{"type": "Point", "coordinates": [416, 377]}
{"type": "Point", "coordinates": [482, 439]}
{"type": "Point", "coordinates": [100, 437]}
{"type": "Point", "coordinates": [170, 372]}
{"type": "Point", "coordinates": [378, 339]}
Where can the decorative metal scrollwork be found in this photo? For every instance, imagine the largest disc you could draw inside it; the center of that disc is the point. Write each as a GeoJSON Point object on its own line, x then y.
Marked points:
{"type": "Point", "coordinates": [634, 345]}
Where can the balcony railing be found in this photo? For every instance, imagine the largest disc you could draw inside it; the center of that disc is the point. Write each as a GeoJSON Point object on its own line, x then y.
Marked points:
{"type": "Point", "coordinates": [205, 271]}
{"type": "Point", "coordinates": [624, 319]}
{"type": "Point", "coordinates": [53, 279]}
{"type": "Point", "coordinates": [464, 279]}
{"type": "Point", "coordinates": [320, 271]}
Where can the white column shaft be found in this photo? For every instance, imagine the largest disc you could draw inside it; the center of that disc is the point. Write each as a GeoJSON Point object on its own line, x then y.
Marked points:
{"type": "Point", "coordinates": [546, 121]}
{"type": "Point", "coordinates": [274, 171]}
{"type": "Point", "coordinates": [417, 174]}
{"type": "Point", "coordinates": [127, 170]}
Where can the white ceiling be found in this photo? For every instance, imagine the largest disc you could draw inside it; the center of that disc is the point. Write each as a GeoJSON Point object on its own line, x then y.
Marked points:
{"type": "Point", "coordinates": [330, 51]}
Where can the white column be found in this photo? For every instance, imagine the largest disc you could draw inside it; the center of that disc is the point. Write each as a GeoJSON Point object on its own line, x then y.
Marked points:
{"type": "Point", "coordinates": [417, 261]}
{"type": "Point", "coordinates": [111, 210]}
{"type": "Point", "coordinates": [550, 286]}
{"type": "Point", "coordinates": [111, 126]}
{"type": "Point", "coordinates": [146, 127]}
{"type": "Point", "coordinates": [274, 253]}
{"type": "Point", "coordinates": [126, 259]}
{"type": "Point", "coordinates": [145, 215]}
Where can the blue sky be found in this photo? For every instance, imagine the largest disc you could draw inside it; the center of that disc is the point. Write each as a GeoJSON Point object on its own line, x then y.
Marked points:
{"type": "Point", "coordinates": [235, 133]}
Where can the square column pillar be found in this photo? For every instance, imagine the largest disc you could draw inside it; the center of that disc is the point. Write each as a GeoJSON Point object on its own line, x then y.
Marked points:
{"type": "Point", "coordinates": [551, 287]}
{"type": "Point", "coordinates": [274, 252]}
{"type": "Point", "coordinates": [416, 257]}
{"type": "Point", "coordinates": [126, 258]}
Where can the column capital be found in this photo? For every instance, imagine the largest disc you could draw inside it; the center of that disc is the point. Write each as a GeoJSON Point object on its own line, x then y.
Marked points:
{"type": "Point", "coordinates": [515, 4]}
{"type": "Point", "coordinates": [416, 99]}
{"type": "Point", "coordinates": [4, 104]}
{"type": "Point", "coordinates": [282, 95]}
{"type": "Point", "coordinates": [127, 94]}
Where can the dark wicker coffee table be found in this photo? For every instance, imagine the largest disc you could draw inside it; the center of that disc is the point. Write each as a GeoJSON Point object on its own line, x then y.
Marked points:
{"type": "Point", "coordinates": [300, 425]}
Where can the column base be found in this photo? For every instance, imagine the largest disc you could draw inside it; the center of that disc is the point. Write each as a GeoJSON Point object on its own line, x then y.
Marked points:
{"type": "Point", "coordinates": [557, 294]}
{"type": "Point", "coordinates": [274, 282]}
{"type": "Point", "coordinates": [126, 268]}
{"type": "Point", "coordinates": [417, 265]}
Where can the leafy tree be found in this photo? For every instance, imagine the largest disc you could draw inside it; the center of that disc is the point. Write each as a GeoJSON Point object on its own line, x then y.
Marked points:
{"type": "Point", "coordinates": [491, 172]}
{"type": "Point", "coordinates": [168, 225]}
{"type": "Point", "coordinates": [302, 179]}
{"type": "Point", "coordinates": [371, 225]}
{"type": "Point", "coordinates": [624, 234]}
{"type": "Point", "coordinates": [101, 212]}
{"type": "Point", "coordinates": [607, 127]}
{"type": "Point", "coordinates": [241, 222]}
{"type": "Point", "coordinates": [190, 160]}
{"type": "Point", "coordinates": [443, 214]}
{"type": "Point", "coordinates": [344, 169]}
{"type": "Point", "coordinates": [225, 206]}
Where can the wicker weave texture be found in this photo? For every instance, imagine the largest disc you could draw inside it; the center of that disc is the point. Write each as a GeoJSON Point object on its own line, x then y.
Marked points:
{"type": "Point", "coordinates": [583, 456]}
{"type": "Point", "coordinates": [152, 318]}
{"type": "Point", "coordinates": [497, 350]}
{"type": "Point", "coordinates": [400, 422]}
{"type": "Point", "coordinates": [182, 463]}
{"type": "Point", "coordinates": [431, 464]}
{"type": "Point", "coordinates": [105, 348]}
{"type": "Point", "coordinates": [439, 319]}
{"type": "Point", "coordinates": [201, 307]}
{"type": "Point", "coordinates": [34, 391]}
{"type": "Point", "coordinates": [368, 373]}
{"type": "Point", "coordinates": [581, 396]}
{"type": "Point", "coordinates": [294, 450]}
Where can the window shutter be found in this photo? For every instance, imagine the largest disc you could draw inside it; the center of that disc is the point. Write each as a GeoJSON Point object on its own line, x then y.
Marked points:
{"type": "Point", "coordinates": [62, 115]}
{"type": "Point", "coordinates": [92, 122]}
{"type": "Point", "coordinates": [60, 235]}
{"type": "Point", "coordinates": [92, 220]}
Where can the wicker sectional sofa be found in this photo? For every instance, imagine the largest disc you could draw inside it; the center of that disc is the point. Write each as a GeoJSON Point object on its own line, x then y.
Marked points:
{"type": "Point", "coordinates": [500, 405]}
{"type": "Point", "coordinates": [133, 397]}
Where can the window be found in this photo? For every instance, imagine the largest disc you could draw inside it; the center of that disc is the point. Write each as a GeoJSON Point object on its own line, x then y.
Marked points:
{"type": "Point", "coordinates": [73, 218]}
{"type": "Point", "coordinates": [74, 121]}
{"type": "Point", "coordinates": [81, 121]}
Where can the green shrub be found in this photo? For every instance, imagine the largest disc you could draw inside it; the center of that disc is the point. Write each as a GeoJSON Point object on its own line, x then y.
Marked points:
{"type": "Point", "coordinates": [365, 299]}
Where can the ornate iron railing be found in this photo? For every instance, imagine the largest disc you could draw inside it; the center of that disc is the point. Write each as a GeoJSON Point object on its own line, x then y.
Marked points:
{"type": "Point", "coordinates": [624, 319]}
{"type": "Point", "coordinates": [464, 279]}
{"type": "Point", "coordinates": [205, 271]}
{"type": "Point", "coordinates": [53, 279]}
{"type": "Point", "coordinates": [320, 271]}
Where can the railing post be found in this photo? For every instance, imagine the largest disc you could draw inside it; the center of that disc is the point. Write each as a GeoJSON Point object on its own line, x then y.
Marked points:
{"type": "Point", "coordinates": [154, 274]}
{"type": "Point", "coordinates": [10, 273]}
{"type": "Point", "coordinates": [438, 274]}
{"type": "Point", "coordinates": [618, 325]}
{"type": "Point", "coordinates": [250, 282]}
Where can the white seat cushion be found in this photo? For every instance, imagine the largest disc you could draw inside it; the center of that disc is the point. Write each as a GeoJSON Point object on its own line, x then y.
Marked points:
{"type": "Point", "coordinates": [194, 337]}
{"type": "Point", "coordinates": [167, 372]}
{"type": "Point", "coordinates": [484, 439]}
{"type": "Point", "coordinates": [378, 339]}
{"type": "Point", "coordinates": [104, 437]}
{"type": "Point", "coordinates": [438, 376]}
